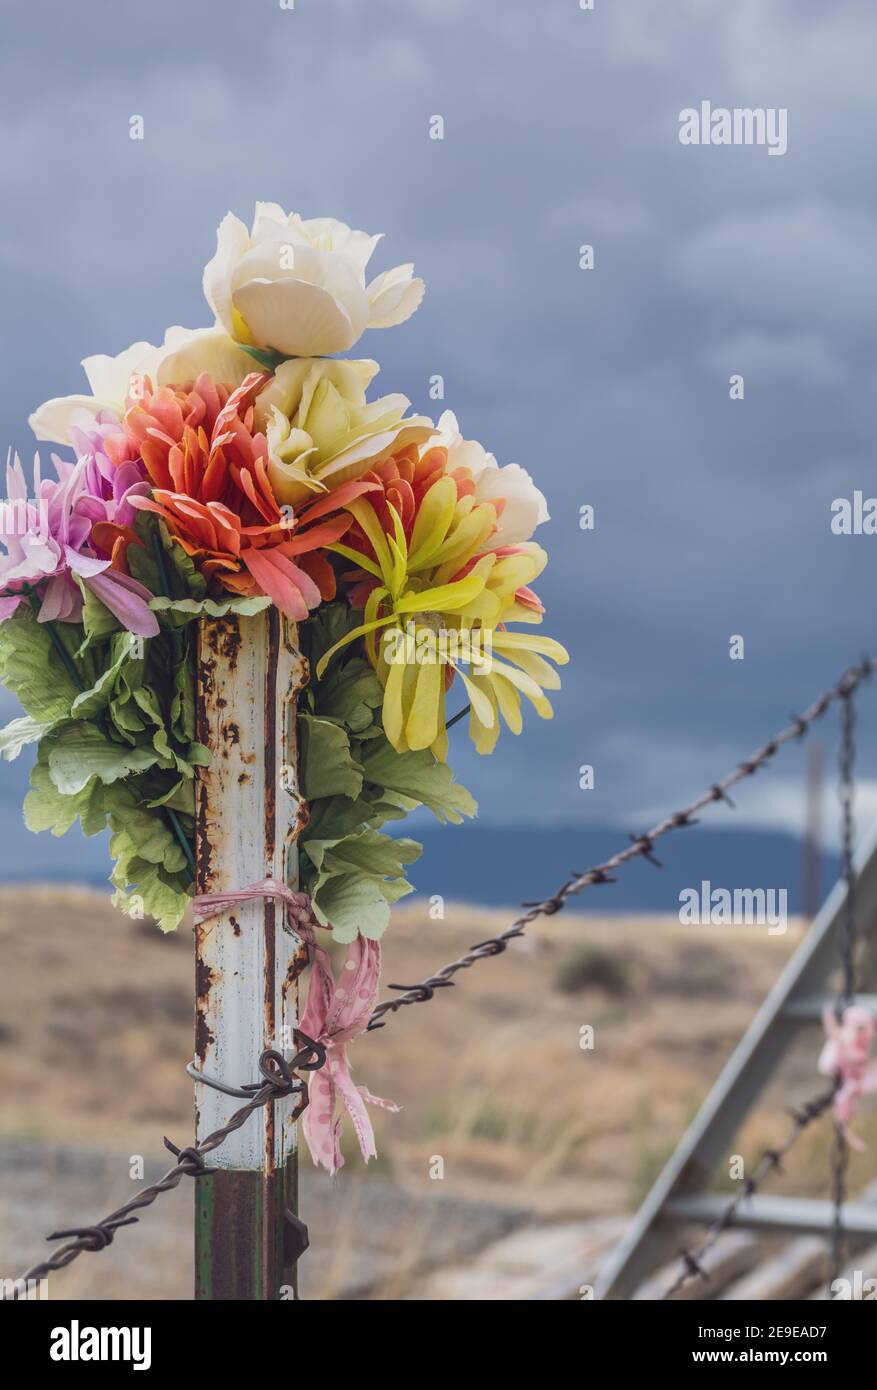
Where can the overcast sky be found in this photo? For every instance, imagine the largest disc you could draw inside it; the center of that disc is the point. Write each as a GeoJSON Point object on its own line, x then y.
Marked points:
{"type": "Point", "coordinates": [609, 385]}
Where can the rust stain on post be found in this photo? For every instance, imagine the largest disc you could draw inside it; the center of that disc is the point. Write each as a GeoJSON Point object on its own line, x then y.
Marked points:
{"type": "Point", "coordinates": [203, 981]}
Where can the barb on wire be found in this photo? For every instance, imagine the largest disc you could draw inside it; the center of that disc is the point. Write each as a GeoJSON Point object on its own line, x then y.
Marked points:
{"type": "Point", "coordinates": [770, 1162]}
{"type": "Point", "coordinates": [279, 1079]}
{"type": "Point", "coordinates": [641, 846]}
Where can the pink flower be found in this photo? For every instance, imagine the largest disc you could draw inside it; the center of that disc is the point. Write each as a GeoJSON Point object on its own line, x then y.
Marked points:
{"type": "Point", "coordinates": [76, 526]}
{"type": "Point", "coordinates": [32, 552]}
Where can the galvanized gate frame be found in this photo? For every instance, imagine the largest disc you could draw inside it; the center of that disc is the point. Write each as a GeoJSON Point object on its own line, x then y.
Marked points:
{"type": "Point", "coordinates": [679, 1197]}
{"type": "Point", "coordinates": [248, 816]}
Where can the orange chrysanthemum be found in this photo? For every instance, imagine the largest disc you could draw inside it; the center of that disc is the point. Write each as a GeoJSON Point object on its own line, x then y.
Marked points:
{"type": "Point", "coordinates": [208, 470]}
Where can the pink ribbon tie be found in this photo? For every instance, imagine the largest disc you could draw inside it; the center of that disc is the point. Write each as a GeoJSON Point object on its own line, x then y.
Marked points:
{"type": "Point", "coordinates": [207, 905]}
{"type": "Point", "coordinates": [334, 1015]}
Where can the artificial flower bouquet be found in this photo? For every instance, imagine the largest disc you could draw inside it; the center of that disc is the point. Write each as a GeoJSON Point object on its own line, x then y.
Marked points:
{"type": "Point", "coordinates": [241, 466]}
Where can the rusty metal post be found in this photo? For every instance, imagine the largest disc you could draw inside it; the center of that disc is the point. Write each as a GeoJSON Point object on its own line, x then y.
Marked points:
{"type": "Point", "coordinates": [247, 962]}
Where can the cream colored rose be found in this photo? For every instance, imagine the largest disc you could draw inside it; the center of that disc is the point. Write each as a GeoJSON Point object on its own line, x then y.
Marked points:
{"type": "Point", "coordinates": [184, 355]}
{"type": "Point", "coordinates": [298, 287]}
{"type": "Point", "coordinates": [525, 506]}
{"type": "Point", "coordinates": [322, 431]}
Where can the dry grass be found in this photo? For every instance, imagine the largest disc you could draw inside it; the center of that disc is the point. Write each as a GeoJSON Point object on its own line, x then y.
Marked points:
{"type": "Point", "coordinates": [95, 1030]}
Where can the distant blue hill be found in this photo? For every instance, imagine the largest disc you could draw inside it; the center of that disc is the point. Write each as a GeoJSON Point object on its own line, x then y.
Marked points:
{"type": "Point", "coordinates": [504, 867]}
{"type": "Point", "coordinates": [492, 866]}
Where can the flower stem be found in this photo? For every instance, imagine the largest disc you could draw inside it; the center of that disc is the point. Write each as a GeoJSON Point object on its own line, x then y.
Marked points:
{"type": "Point", "coordinates": [59, 645]}
{"type": "Point", "coordinates": [160, 560]}
{"type": "Point", "coordinates": [181, 835]}
{"type": "Point", "coordinates": [457, 717]}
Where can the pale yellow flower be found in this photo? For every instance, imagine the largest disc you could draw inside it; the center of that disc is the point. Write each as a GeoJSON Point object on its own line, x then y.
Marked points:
{"type": "Point", "coordinates": [322, 431]}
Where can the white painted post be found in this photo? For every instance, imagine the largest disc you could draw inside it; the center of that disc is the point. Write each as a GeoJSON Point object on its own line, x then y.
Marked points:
{"type": "Point", "coordinates": [248, 814]}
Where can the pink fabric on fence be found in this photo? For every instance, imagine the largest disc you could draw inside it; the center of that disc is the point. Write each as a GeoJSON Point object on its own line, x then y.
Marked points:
{"type": "Point", "coordinates": [847, 1055]}
{"type": "Point", "coordinates": [334, 1015]}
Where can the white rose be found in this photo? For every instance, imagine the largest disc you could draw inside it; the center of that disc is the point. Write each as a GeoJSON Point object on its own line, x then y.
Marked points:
{"type": "Point", "coordinates": [525, 506]}
{"type": "Point", "coordinates": [298, 287]}
{"type": "Point", "coordinates": [184, 355]}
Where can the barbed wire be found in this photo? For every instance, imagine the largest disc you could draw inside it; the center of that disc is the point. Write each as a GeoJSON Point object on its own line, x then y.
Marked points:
{"type": "Point", "coordinates": [770, 1162]}
{"type": "Point", "coordinates": [642, 846]}
{"type": "Point", "coordinates": [278, 1080]}
{"type": "Point", "coordinates": [279, 1076]}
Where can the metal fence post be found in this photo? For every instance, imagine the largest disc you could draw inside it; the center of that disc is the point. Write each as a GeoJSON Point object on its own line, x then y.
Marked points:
{"type": "Point", "coordinates": [248, 813]}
